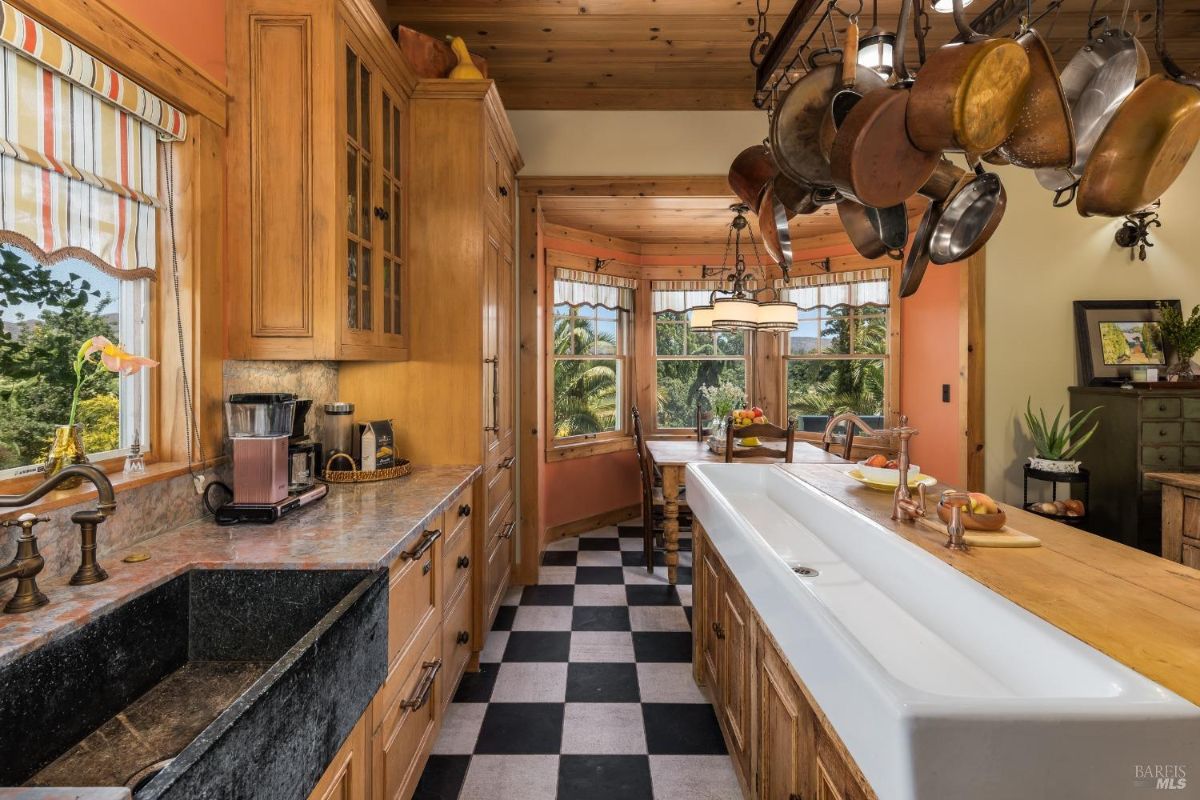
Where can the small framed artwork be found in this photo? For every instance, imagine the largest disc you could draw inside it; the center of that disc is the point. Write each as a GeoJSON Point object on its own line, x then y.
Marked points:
{"type": "Point", "coordinates": [1114, 337]}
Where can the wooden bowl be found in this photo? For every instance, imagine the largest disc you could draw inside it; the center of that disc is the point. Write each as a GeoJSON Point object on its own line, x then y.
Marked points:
{"type": "Point", "coordinates": [974, 522]}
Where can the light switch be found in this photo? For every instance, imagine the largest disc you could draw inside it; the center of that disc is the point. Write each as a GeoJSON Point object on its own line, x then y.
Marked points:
{"type": "Point", "coordinates": [945, 393]}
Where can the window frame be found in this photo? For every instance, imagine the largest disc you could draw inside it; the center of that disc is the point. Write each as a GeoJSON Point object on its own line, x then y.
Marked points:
{"type": "Point", "coordinates": [583, 445]}
{"type": "Point", "coordinates": [748, 357]}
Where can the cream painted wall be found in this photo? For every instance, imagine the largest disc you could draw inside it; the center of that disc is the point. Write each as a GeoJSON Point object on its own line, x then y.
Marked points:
{"type": "Point", "coordinates": [634, 142]}
{"type": "Point", "coordinates": [1039, 261]}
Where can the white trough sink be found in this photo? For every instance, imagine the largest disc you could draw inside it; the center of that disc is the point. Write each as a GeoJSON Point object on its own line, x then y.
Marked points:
{"type": "Point", "coordinates": [940, 688]}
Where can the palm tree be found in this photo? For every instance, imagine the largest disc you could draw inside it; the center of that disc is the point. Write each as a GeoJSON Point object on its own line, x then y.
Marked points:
{"type": "Point", "coordinates": [585, 390]}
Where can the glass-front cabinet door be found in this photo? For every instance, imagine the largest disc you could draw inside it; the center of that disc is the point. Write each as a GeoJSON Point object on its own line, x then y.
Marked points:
{"type": "Point", "coordinates": [359, 269]}
{"type": "Point", "coordinates": [390, 214]}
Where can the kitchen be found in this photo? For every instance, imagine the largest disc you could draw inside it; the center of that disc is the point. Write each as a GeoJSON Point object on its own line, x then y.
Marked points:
{"type": "Point", "coordinates": [474, 616]}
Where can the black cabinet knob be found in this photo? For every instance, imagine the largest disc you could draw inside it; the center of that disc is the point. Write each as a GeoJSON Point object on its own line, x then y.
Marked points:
{"type": "Point", "coordinates": [464, 562]}
{"type": "Point", "coordinates": [503, 191]}
{"type": "Point", "coordinates": [464, 510]}
{"type": "Point", "coordinates": [382, 214]}
{"type": "Point", "coordinates": [463, 637]}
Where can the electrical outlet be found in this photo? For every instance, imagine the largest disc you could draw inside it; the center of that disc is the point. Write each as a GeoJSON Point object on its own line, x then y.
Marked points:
{"type": "Point", "coordinates": [945, 393]}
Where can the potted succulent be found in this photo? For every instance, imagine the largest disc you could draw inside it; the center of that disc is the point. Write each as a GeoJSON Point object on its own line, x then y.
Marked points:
{"type": "Point", "coordinates": [1057, 443]}
{"type": "Point", "coordinates": [1182, 336]}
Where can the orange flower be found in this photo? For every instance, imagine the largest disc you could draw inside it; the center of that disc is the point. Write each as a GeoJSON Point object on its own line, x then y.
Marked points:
{"type": "Point", "coordinates": [115, 359]}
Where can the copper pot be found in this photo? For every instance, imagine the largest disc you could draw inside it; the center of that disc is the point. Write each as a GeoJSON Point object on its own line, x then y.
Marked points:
{"type": "Point", "coordinates": [970, 93]}
{"type": "Point", "coordinates": [750, 173]}
{"type": "Point", "coordinates": [1146, 144]}
{"type": "Point", "coordinates": [875, 232]}
{"type": "Point", "coordinates": [1044, 135]}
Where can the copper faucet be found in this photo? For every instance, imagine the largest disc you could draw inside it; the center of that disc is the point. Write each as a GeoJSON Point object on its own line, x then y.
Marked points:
{"type": "Point", "coordinates": [956, 532]}
{"type": "Point", "coordinates": [904, 508]}
{"type": "Point", "coordinates": [852, 421]}
{"type": "Point", "coordinates": [88, 520]}
{"type": "Point", "coordinates": [24, 567]}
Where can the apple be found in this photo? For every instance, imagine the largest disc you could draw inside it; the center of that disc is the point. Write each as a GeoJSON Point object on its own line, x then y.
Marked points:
{"type": "Point", "coordinates": [758, 412]}
{"type": "Point", "coordinates": [759, 420]}
{"type": "Point", "coordinates": [877, 460]}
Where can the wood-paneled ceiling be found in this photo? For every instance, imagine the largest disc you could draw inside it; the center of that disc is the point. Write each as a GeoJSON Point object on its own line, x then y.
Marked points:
{"type": "Point", "coordinates": [672, 220]}
{"type": "Point", "coordinates": [682, 54]}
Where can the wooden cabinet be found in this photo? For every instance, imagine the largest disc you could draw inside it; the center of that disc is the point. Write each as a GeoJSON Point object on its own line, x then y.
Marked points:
{"type": "Point", "coordinates": [1180, 516]}
{"type": "Point", "coordinates": [406, 726]}
{"type": "Point", "coordinates": [498, 566]}
{"type": "Point", "coordinates": [317, 170]}
{"type": "Point", "coordinates": [347, 776]}
{"type": "Point", "coordinates": [781, 744]}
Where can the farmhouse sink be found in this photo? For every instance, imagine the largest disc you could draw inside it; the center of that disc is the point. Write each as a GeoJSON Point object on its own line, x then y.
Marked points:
{"type": "Point", "coordinates": [233, 683]}
{"type": "Point", "coordinates": [939, 687]}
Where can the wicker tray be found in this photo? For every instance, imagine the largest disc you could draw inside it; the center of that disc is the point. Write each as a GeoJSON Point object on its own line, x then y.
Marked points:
{"type": "Point", "coordinates": [355, 475]}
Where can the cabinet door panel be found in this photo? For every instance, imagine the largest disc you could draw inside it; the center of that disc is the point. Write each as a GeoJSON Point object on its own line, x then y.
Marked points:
{"type": "Point", "coordinates": [492, 366]}
{"type": "Point", "coordinates": [738, 656]}
{"type": "Point", "coordinates": [787, 731]}
{"type": "Point", "coordinates": [505, 320]}
{"type": "Point", "coordinates": [346, 776]}
{"type": "Point", "coordinates": [392, 294]}
{"type": "Point", "coordinates": [499, 567]}
{"type": "Point", "coordinates": [710, 591]}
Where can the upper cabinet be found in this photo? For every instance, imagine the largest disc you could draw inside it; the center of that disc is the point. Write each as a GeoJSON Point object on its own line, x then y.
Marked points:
{"type": "Point", "coordinates": [317, 174]}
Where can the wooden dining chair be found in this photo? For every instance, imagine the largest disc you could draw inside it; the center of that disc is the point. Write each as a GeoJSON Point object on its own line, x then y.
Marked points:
{"type": "Point", "coordinates": [652, 497]}
{"type": "Point", "coordinates": [702, 417]}
{"type": "Point", "coordinates": [762, 430]}
{"type": "Point", "coordinates": [846, 440]}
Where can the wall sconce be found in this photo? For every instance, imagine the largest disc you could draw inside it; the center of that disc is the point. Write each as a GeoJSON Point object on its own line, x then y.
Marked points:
{"type": "Point", "coordinates": [1134, 232]}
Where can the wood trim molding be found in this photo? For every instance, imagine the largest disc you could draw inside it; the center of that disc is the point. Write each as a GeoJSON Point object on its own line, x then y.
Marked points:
{"type": "Point", "coordinates": [569, 452]}
{"type": "Point", "coordinates": [972, 321]}
{"type": "Point", "coordinates": [593, 522]}
{"type": "Point", "coordinates": [112, 37]}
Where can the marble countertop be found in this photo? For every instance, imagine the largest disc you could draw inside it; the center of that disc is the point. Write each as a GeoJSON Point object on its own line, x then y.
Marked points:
{"type": "Point", "coordinates": [361, 526]}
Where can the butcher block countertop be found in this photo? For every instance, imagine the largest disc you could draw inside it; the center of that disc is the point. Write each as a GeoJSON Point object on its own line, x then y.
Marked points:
{"type": "Point", "coordinates": [1139, 609]}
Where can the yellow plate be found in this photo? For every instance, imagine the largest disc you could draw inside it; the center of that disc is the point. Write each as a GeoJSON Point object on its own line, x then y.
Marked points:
{"type": "Point", "coordinates": [881, 486]}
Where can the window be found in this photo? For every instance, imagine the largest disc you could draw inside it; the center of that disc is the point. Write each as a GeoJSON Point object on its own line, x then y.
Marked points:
{"type": "Point", "coordinates": [685, 360]}
{"type": "Point", "coordinates": [837, 359]}
{"type": "Point", "coordinates": [46, 313]}
{"type": "Point", "coordinates": [590, 346]}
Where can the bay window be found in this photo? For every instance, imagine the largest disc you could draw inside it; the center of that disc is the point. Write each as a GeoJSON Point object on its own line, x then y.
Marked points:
{"type": "Point", "coordinates": [838, 359]}
{"type": "Point", "coordinates": [686, 361]}
{"type": "Point", "coordinates": [590, 349]}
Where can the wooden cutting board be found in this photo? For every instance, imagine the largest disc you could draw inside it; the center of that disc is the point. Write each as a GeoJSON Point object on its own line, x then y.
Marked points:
{"type": "Point", "coordinates": [1005, 537]}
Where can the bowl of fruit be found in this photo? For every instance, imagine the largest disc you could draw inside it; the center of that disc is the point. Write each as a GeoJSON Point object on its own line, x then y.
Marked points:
{"type": "Point", "coordinates": [881, 469]}
{"type": "Point", "coordinates": [980, 512]}
{"type": "Point", "coordinates": [745, 417]}
{"type": "Point", "coordinates": [1070, 510]}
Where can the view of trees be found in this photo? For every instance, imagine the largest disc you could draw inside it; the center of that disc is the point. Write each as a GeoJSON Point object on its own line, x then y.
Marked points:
{"type": "Point", "coordinates": [828, 386]}
{"type": "Point", "coordinates": [687, 361]}
{"type": "Point", "coordinates": [586, 384]}
{"type": "Point", "coordinates": [45, 314]}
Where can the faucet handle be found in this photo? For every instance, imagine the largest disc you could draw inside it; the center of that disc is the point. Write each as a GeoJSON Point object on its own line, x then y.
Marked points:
{"type": "Point", "coordinates": [26, 520]}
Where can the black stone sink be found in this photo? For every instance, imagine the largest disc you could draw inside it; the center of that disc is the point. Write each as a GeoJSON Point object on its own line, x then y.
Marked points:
{"type": "Point", "coordinates": [218, 683]}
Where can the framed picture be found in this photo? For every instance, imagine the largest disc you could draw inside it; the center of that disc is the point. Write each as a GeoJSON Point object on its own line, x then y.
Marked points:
{"type": "Point", "coordinates": [1114, 336]}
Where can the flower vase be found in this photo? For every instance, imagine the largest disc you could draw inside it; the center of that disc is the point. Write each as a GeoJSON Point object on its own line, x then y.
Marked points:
{"type": "Point", "coordinates": [1182, 368]}
{"type": "Point", "coordinates": [716, 440]}
{"type": "Point", "coordinates": [65, 450]}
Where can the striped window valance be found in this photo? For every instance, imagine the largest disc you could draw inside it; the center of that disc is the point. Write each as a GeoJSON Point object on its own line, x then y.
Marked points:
{"type": "Point", "coordinates": [681, 296]}
{"type": "Point", "coordinates": [78, 151]}
{"type": "Point", "coordinates": [576, 288]}
{"type": "Point", "coordinates": [866, 287]}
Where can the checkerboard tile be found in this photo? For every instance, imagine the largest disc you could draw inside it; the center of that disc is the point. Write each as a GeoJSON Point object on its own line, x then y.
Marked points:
{"type": "Point", "coordinates": [585, 689]}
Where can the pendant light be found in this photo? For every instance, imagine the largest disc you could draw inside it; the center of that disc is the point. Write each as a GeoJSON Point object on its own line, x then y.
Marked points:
{"type": "Point", "coordinates": [946, 6]}
{"type": "Point", "coordinates": [701, 319]}
{"type": "Point", "coordinates": [875, 46]}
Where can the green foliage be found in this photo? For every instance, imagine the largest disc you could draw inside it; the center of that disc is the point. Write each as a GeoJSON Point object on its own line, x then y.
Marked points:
{"type": "Point", "coordinates": [1058, 442]}
{"type": "Point", "coordinates": [826, 387]}
{"type": "Point", "coordinates": [585, 390]}
{"type": "Point", "coordinates": [1182, 335]}
{"type": "Point", "coordinates": [101, 420]}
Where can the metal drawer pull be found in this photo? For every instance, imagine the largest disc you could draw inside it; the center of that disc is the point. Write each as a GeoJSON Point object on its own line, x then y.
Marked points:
{"type": "Point", "coordinates": [464, 562]}
{"type": "Point", "coordinates": [508, 462]}
{"type": "Point", "coordinates": [463, 637]}
{"type": "Point", "coordinates": [427, 540]}
{"type": "Point", "coordinates": [464, 510]}
{"type": "Point", "coordinates": [504, 191]}
{"type": "Point", "coordinates": [425, 688]}
{"type": "Point", "coordinates": [427, 567]}
{"type": "Point", "coordinates": [719, 631]}
{"type": "Point", "coordinates": [508, 531]}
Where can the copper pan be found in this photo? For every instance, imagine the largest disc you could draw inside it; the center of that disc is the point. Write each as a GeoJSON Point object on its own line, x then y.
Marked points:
{"type": "Point", "coordinates": [917, 259]}
{"type": "Point", "coordinates": [797, 198]}
{"type": "Point", "coordinates": [969, 218]}
{"type": "Point", "coordinates": [1044, 135]}
{"type": "Point", "coordinates": [1146, 144]}
{"type": "Point", "coordinates": [750, 173]}
{"type": "Point", "coordinates": [875, 232]}
{"type": "Point", "coordinates": [944, 181]}
{"type": "Point", "coordinates": [873, 160]}
{"type": "Point", "coordinates": [970, 93]}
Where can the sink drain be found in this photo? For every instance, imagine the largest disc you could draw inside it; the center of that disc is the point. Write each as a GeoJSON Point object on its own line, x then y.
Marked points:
{"type": "Point", "coordinates": [139, 779]}
{"type": "Point", "coordinates": [805, 572]}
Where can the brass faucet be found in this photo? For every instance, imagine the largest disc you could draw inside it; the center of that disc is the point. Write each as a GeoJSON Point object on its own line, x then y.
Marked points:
{"type": "Point", "coordinates": [24, 567]}
{"type": "Point", "coordinates": [88, 520]}
{"type": "Point", "coordinates": [956, 532]}
{"type": "Point", "coordinates": [904, 508]}
{"type": "Point", "coordinates": [852, 421]}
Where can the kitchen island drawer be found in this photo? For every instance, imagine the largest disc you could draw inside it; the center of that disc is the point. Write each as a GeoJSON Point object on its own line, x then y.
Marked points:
{"type": "Point", "coordinates": [1161, 432]}
{"type": "Point", "coordinates": [459, 512]}
{"type": "Point", "coordinates": [414, 600]}
{"type": "Point", "coordinates": [1161, 408]}
{"type": "Point", "coordinates": [1162, 457]}
{"type": "Point", "coordinates": [458, 639]}
{"type": "Point", "coordinates": [457, 563]}
{"type": "Point", "coordinates": [406, 726]}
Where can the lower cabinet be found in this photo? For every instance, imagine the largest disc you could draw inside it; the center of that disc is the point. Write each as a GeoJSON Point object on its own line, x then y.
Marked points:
{"type": "Point", "coordinates": [439, 592]}
{"type": "Point", "coordinates": [782, 746]}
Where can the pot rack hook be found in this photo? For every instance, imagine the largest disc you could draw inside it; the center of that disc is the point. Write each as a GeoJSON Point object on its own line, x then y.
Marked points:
{"type": "Point", "coordinates": [1170, 65]}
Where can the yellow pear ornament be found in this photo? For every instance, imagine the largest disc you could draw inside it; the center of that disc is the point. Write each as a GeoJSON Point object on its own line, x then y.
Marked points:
{"type": "Point", "coordinates": [466, 69]}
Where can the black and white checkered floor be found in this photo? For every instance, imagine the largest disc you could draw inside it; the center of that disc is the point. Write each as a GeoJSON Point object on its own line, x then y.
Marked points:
{"type": "Point", "coordinates": [586, 689]}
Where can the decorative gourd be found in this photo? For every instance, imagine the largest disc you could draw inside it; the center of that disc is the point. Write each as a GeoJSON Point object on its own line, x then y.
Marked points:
{"type": "Point", "coordinates": [466, 69]}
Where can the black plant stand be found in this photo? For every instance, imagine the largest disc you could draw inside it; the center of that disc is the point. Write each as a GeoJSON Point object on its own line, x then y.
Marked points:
{"type": "Point", "coordinates": [1082, 477]}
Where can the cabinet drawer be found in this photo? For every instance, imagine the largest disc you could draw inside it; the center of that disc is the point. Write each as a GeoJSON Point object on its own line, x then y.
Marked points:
{"type": "Point", "coordinates": [1161, 408]}
{"type": "Point", "coordinates": [1191, 517]}
{"type": "Point", "coordinates": [1191, 456]}
{"type": "Point", "coordinates": [1191, 407]}
{"type": "Point", "coordinates": [1191, 431]}
{"type": "Point", "coordinates": [408, 725]}
{"type": "Point", "coordinates": [457, 641]}
{"type": "Point", "coordinates": [1162, 457]}
{"type": "Point", "coordinates": [459, 512]}
{"type": "Point", "coordinates": [457, 563]}
{"type": "Point", "coordinates": [1191, 556]}
{"type": "Point", "coordinates": [1162, 432]}
{"type": "Point", "coordinates": [499, 566]}
{"type": "Point", "coordinates": [414, 604]}
{"type": "Point", "coordinates": [500, 487]}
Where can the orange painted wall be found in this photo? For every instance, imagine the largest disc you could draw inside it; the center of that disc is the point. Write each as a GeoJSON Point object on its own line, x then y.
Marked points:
{"type": "Point", "coordinates": [581, 487]}
{"type": "Point", "coordinates": [195, 29]}
{"type": "Point", "coordinates": [929, 357]}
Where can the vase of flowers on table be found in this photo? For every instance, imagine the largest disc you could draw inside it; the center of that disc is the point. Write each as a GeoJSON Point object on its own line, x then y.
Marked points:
{"type": "Point", "coordinates": [94, 357]}
{"type": "Point", "coordinates": [722, 400]}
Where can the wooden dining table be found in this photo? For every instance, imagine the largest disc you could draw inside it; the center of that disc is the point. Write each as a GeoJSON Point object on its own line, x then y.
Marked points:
{"type": "Point", "coordinates": [671, 457]}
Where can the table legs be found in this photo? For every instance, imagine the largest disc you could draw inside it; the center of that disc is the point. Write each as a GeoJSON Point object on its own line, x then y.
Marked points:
{"type": "Point", "coordinates": [671, 477]}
